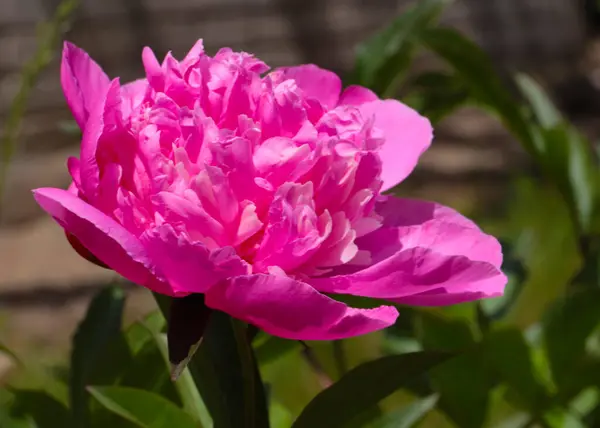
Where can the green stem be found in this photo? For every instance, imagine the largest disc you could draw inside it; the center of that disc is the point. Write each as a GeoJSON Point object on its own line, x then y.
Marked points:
{"type": "Point", "coordinates": [317, 367]}
{"type": "Point", "coordinates": [48, 40]}
{"type": "Point", "coordinates": [247, 360]}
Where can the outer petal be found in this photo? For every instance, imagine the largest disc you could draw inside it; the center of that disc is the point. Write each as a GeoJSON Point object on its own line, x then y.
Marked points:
{"type": "Point", "coordinates": [407, 135]}
{"type": "Point", "coordinates": [189, 266]}
{"type": "Point", "coordinates": [424, 254]}
{"type": "Point", "coordinates": [357, 95]}
{"type": "Point", "coordinates": [133, 94]}
{"type": "Point", "coordinates": [103, 237]}
{"type": "Point", "coordinates": [83, 81]}
{"type": "Point", "coordinates": [317, 83]}
{"type": "Point", "coordinates": [105, 119]}
{"type": "Point", "coordinates": [294, 310]}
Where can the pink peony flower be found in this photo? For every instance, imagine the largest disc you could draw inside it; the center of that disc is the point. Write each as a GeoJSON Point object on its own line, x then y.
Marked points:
{"type": "Point", "coordinates": [261, 191]}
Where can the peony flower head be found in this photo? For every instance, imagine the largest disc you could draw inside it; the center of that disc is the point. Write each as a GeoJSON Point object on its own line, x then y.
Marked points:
{"type": "Point", "coordinates": [262, 191]}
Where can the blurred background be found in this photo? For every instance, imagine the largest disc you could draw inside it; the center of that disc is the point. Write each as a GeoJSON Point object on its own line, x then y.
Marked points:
{"type": "Point", "coordinates": [45, 286]}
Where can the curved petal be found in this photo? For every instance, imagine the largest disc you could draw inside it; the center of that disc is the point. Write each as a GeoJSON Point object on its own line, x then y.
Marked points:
{"type": "Point", "coordinates": [189, 266]}
{"type": "Point", "coordinates": [424, 254]}
{"type": "Point", "coordinates": [104, 119]}
{"type": "Point", "coordinates": [106, 239]}
{"type": "Point", "coordinates": [355, 95]}
{"type": "Point", "coordinates": [83, 81]}
{"type": "Point", "coordinates": [133, 94]}
{"type": "Point", "coordinates": [407, 135]}
{"type": "Point", "coordinates": [317, 83]}
{"type": "Point", "coordinates": [291, 309]}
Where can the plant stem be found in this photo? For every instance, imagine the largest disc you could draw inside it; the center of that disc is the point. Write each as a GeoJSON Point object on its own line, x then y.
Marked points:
{"type": "Point", "coordinates": [49, 37]}
{"type": "Point", "coordinates": [314, 362]}
{"type": "Point", "coordinates": [247, 360]}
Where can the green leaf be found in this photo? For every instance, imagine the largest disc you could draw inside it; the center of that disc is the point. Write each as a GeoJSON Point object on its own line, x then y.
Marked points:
{"type": "Point", "coordinates": [364, 386]}
{"type": "Point", "coordinates": [543, 108]}
{"type": "Point", "coordinates": [143, 408]}
{"type": "Point", "coordinates": [510, 359]}
{"type": "Point", "coordinates": [225, 372]}
{"type": "Point", "coordinates": [273, 348]}
{"type": "Point", "coordinates": [474, 66]}
{"type": "Point", "coordinates": [190, 397]}
{"type": "Point", "coordinates": [566, 154]}
{"type": "Point", "coordinates": [435, 95]}
{"type": "Point", "coordinates": [45, 410]}
{"type": "Point", "coordinates": [141, 332]}
{"type": "Point", "coordinates": [383, 59]}
{"type": "Point", "coordinates": [462, 383]}
{"type": "Point", "coordinates": [583, 178]}
{"type": "Point", "coordinates": [409, 415]}
{"type": "Point", "coordinates": [567, 327]}
{"type": "Point", "coordinates": [227, 377]}
{"type": "Point", "coordinates": [546, 242]}
{"type": "Point", "coordinates": [102, 322]}
{"type": "Point", "coordinates": [292, 382]}
{"type": "Point", "coordinates": [6, 421]}
{"type": "Point", "coordinates": [567, 158]}
{"type": "Point", "coordinates": [148, 371]}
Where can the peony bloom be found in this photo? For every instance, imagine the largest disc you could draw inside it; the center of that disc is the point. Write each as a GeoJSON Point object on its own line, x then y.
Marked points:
{"type": "Point", "coordinates": [262, 191]}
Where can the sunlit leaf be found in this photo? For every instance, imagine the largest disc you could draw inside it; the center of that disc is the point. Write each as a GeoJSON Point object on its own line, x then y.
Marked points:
{"type": "Point", "coordinates": [141, 332]}
{"type": "Point", "coordinates": [273, 348]}
{"type": "Point", "coordinates": [364, 386]}
{"type": "Point", "coordinates": [547, 244]}
{"type": "Point", "coordinates": [143, 408]}
{"type": "Point", "coordinates": [543, 108]}
{"type": "Point", "coordinates": [408, 416]}
{"type": "Point", "coordinates": [190, 397]}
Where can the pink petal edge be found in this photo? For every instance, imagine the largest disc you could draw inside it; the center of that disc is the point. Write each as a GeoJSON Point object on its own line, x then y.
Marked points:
{"type": "Point", "coordinates": [407, 136]}
{"type": "Point", "coordinates": [291, 309]}
{"type": "Point", "coordinates": [83, 81]}
{"type": "Point", "coordinates": [102, 236]}
{"type": "Point", "coordinates": [425, 254]}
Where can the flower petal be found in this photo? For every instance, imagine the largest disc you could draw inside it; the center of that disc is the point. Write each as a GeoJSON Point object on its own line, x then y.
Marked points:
{"type": "Point", "coordinates": [424, 254]}
{"type": "Point", "coordinates": [190, 267]}
{"type": "Point", "coordinates": [407, 135]}
{"type": "Point", "coordinates": [316, 83]}
{"type": "Point", "coordinates": [291, 309]}
{"type": "Point", "coordinates": [83, 81]}
{"type": "Point", "coordinates": [133, 94]}
{"type": "Point", "coordinates": [356, 95]}
{"type": "Point", "coordinates": [106, 239]}
{"type": "Point", "coordinates": [105, 119]}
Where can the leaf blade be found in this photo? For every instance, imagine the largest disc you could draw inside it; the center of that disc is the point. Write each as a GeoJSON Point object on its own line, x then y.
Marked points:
{"type": "Point", "coordinates": [364, 386]}
{"type": "Point", "coordinates": [102, 322]}
{"type": "Point", "coordinates": [382, 59]}
{"type": "Point", "coordinates": [143, 408]}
